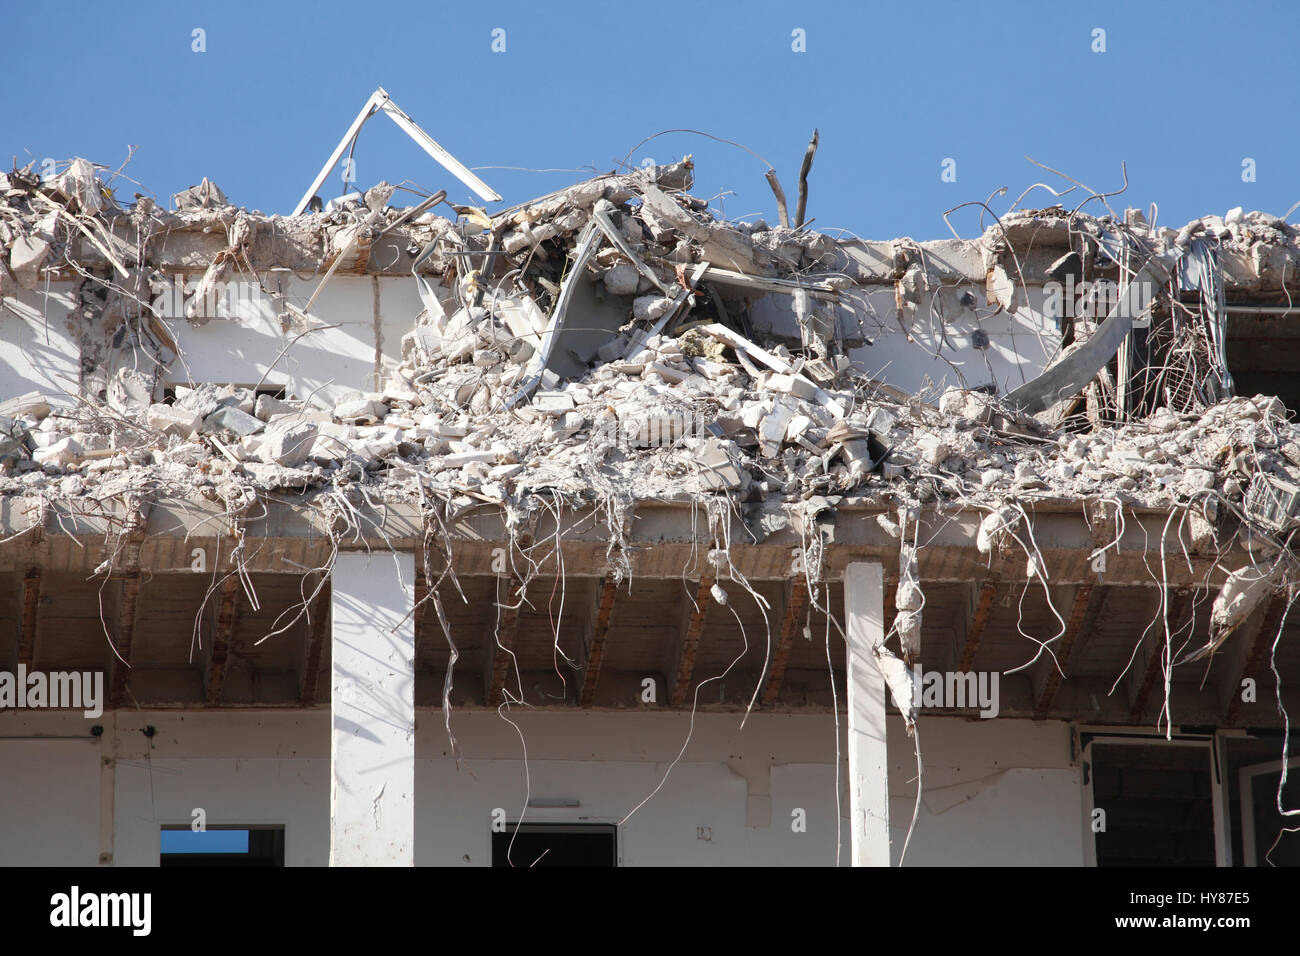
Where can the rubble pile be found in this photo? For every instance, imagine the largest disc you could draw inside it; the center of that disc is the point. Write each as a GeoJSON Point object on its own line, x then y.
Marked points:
{"type": "Point", "coordinates": [595, 344]}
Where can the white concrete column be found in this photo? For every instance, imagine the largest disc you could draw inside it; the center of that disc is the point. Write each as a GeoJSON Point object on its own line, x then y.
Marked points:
{"type": "Point", "coordinates": [372, 711]}
{"type": "Point", "coordinates": [864, 613]}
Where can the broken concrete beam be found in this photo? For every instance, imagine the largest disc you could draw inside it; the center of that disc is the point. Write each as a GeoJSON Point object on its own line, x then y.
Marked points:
{"type": "Point", "coordinates": [1002, 290]}
{"type": "Point", "coordinates": [230, 418]}
{"type": "Point", "coordinates": [268, 405]}
{"type": "Point", "coordinates": [361, 411]}
{"type": "Point", "coordinates": [773, 429]}
{"type": "Point", "coordinates": [717, 473]}
{"type": "Point", "coordinates": [570, 423]}
{"type": "Point", "coordinates": [26, 258]}
{"type": "Point", "coordinates": [933, 450]}
{"type": "Point", "coordinates": [647, 308]}
{"type": "Point", "coordinates": [772, 361]}
{"type": "Point", "coordinates": [12, 439]}
{"type": "Point", "coordinates": [553, 403]}
{"type": "Point", "coordinates": [795, 385]}
{"type": "Point", "coordinates": [205, 195]}
{"type": "Point", "coordinates": [718, 243]}
{"type": "Point", "coordinates": [33, 405]}
{"type": "Point", "coordinates": [521, 316]}
{"type": "Point", "coordinates": [461, 459]}
{"type": "Point", "coordinates": [66, 451]}
{"type": "Point", "coordinates": [171, 420]}
{"type": "Point", "coordinates": [289, 445]}
{"type": "Point", "coordinates": [621, 279]}
{"type": "Point", "coordinates": [326, 449]}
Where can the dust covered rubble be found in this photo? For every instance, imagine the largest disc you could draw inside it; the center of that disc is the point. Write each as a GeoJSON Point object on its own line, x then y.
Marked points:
{"type": "Point", "coordinates": [679, 400]}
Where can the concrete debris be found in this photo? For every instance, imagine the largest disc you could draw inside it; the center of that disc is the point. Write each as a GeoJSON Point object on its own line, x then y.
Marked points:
{"type": "Point", "coordinates": [232, 418]}
{"type": "Point", "coordinates": [1244, 591]}
{"type": "Point", "coordinates": [173, 420]}
{"type": "Point", "coordinates": [205, 195]}
{"type": "Point", "coordinates": [901, 681]}
{"type": "Point", "coordinates": [618, 339]}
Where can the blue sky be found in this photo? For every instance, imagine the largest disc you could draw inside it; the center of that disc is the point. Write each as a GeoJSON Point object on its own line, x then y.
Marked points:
{"type": "Point", "coordinates": [208, 841]}
{"type": "Point", "coordinates": [1184, 92]}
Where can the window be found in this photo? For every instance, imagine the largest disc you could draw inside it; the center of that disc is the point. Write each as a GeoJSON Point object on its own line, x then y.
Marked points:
{"type": "Point", "coordinates": [556, 844]}
{"type": "Point", "coordinates": [1158, 800]}
{"type": "Point", "coordinates": [275, 391]}
{"type": "Point", "coordinates": [1197, 800]}
{"type": "Point", "coordinates": [222, 846]}
{"type": "Point", "coordinates": [1261, 835]}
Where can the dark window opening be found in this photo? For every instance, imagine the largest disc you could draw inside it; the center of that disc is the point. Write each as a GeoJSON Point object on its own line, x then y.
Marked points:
{"type": "Point", "coordinates": [552, 844]}
{"type": "Point", "coordinates": [1276, 841]}
{"type": "Point", "coordinates": [1263, 354]}
{"type": "Point", "coordinates": [1261, 836]}
{"type": "Point", "coordinates": [275, 391]}
{"type": "Point", "coordinates": [222, 846]}
{"type": "Point", "coordinates": [1158, 803]}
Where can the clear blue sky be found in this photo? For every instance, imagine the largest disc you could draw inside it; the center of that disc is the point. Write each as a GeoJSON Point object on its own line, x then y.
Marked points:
{"type": "Point", "coordinates": [1184, 92]}
{"type": "Point", "coordinates": [208, 841]}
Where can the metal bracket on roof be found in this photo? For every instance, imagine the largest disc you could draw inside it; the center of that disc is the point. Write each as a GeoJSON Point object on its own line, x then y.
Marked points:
{"type": "Point", "coordinates": [381, 102]}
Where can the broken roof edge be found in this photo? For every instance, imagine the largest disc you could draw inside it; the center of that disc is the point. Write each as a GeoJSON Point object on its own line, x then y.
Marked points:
{"type": "Point", "coordinates": [1257, 251]}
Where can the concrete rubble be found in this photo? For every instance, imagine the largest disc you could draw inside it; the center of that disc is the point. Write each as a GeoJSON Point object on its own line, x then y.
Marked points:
{"type": "Point", "coordinates": [595, 344]}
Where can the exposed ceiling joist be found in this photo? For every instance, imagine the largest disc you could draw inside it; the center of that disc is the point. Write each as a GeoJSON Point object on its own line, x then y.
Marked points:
{"type": "Point", "coordinates": [1087, 603]}
{"type": "Point", "coordinates": [1248, 662]}
{"type": "Point", "coordinates": [796, 603]}
{"type": "Point", "coordinates": [218, 663]}
{"type": "Point", "coordinates": [594, 641]}
{"type": "Point", "coordinates": [680, 667]}
{"type": "Point", "coordinates": [979, 621]}
{"type": "Point", "coordinates": [31, 611]}
{"type": "Point", "coordinates": [317, 647]}
{"type": "Point", "coordinates": [1148, 664]}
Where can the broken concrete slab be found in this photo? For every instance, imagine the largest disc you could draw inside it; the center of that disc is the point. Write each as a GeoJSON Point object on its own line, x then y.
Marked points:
{"type": "Point", "coordinates": [230, 418]}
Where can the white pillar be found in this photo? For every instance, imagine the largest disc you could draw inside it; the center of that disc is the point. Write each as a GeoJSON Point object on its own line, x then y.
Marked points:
{"type": "Point", "coordinates": [372, 711]}
{"type": "Point", "coordinates": [864, 612]}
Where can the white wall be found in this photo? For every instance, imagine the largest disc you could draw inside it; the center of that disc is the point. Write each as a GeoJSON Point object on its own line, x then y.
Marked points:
{"type": "Point", "coordinates": [45, 356]}
{"type": "Point", "coordinates": [996, 792]}
{"type": "Point", "coordinates": [49, 798]}
{"type": "Point", "coordinates": [37, 350]}
{"type": "Point", "coordinates": [322, 364]}
{"type": "Point", "coordinates": [929, 351]}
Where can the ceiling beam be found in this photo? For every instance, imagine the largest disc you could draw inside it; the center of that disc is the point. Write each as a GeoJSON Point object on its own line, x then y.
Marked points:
{"type": "Point", "coordinates": [979, 620]}
{"type": "Point", "coordinates": [680, 667]}
{"type": "Point", "coordinates": [127, 564]}
{"type": "Point", "coordinates": [594, 640]}
{"type": "Point", "coordinates": [1148, 663]}
{"type": "Point", "coordinates": [421, 592]}
{"type": "Point", "coordinates": [1247, 664]}
{"type": "Point", "coordinates": [796, 603]}
{"type": "Point", "coordinates": [501, 648]}
{"type": "Point", "coordinates": [127, 615]}
{"type": "Point", "coordinates": [498, 653]}
{"type": "Point", "coordinates": [31, 611]}
{"type": "Point", "coordinates": [228, 609]}
{"type": "Point", "coordinates": [317, 646]}
{"type": "Point", "coordinates": [1087, 603]}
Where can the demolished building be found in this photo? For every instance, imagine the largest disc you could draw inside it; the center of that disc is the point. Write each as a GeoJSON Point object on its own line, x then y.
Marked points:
{"type": "Point", "coordinates": [604, 512]}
